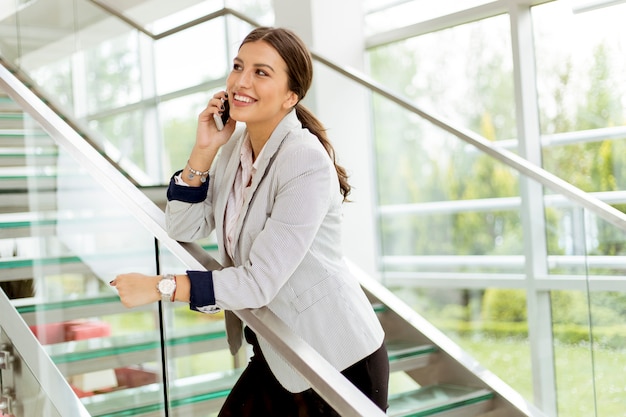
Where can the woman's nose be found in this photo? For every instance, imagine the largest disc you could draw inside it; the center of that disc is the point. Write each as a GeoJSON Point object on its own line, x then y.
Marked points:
{"type": "Point", "coordinates": [244, 78]}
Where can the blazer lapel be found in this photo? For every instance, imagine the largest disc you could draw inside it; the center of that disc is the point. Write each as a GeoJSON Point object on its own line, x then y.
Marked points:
{"type": "Point", "coordinates": [225, 187]}
{"type": "Point", "coordinates": [270, 150]}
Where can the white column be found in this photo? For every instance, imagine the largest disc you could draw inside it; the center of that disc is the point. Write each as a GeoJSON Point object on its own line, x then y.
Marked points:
{"type": "Point", "coordinates": [334, 30]}
{"type": "Point", "coordinates": [533, 213]}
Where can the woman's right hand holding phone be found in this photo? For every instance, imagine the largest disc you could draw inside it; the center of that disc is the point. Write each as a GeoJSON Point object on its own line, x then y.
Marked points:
{"type": "Point", "coordinates": [208, 140]}
{"type": "Point", "coordinates": [208, 135]}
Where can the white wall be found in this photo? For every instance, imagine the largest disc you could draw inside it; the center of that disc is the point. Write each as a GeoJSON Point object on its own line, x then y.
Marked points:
{"type": "Point", "coordinates": [334, 30]}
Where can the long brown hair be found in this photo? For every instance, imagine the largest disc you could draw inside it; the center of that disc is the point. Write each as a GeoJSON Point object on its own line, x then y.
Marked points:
{"type": "Point", "coordinates": [300, 73]}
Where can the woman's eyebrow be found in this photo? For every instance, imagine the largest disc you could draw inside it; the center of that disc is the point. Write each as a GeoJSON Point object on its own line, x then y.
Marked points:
{"type": "Point", "coordinates": [264, 66]}
{"type": "Point", "coordinates": [259, 65]}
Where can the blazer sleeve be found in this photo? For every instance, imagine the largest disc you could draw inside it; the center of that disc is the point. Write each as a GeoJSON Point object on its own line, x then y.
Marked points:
{"type": "Point", "coordinates": [189, 213]}
{"type": "Point", "coordinates": [304, 181]}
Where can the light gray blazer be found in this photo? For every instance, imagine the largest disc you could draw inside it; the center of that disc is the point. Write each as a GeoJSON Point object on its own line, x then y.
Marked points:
{"type": "Point", "coordinates": [288, 254]}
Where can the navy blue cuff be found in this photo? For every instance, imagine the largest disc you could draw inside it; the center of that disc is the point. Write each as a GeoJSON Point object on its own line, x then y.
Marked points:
{"type": "Point", "coordinates": [201, 293]}
{"type": "Point", "coordinates": [187, 194]}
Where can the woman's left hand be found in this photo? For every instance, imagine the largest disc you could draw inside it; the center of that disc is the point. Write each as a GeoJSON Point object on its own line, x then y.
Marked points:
{"type": "Point", "coordinates": [137, 289]}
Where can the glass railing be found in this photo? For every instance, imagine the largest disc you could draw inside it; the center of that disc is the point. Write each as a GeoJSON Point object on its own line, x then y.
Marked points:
{"type": "Point", "coordinates": [525, 272]}
{"type": "Point", "coordinates": [110, 356]}
{"type": "Point", "coordinates": [587, 315]}
{"type": "Point", "coordinates": [454, 247]}
{"type": "Point", "coordinates": [143, 361]}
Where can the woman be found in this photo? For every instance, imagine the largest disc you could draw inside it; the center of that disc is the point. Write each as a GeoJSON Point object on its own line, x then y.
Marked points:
{"type": "Point", "coordinates": [274, 194]}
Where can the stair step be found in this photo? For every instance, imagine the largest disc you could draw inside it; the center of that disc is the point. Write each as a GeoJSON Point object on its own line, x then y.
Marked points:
{"type": "Point", "coordinates": [405, 356]}
{"type": "Point", "coordinates": [14, 225]}
{"type": "Point", "coordinates": [22, 267]}
{"type": "Point", "coordinates": [197, 395]}
{"type": "Point", "coordinates": [20, 156]}
{"type": "Point", "coordinates": [23, 224]}
{"type": "Point", "coordinates": [440, 400]}
{"type": "Point", "coordinates": [20, 200]}
{"type": "Point", "coordinates": [95, 354]}
{"type": "Point", "coordinates": [11, 115]}
{"type": "Point", "coordinates": [108, 303]}
{"type": "Point", "coordinates": [16, 178]}
{"type": "Point", "coordinates": [11, 119]}
{"type": "Point", "coordinates": [21, 134]}
{"type": "Point", "coordinates": [8, 105]}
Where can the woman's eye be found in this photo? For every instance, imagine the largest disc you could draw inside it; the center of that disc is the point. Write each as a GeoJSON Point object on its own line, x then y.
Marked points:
{"type": "Point", "coordinates": [236, 67]}
{"type": "Point", "coordinates": [261, 72]}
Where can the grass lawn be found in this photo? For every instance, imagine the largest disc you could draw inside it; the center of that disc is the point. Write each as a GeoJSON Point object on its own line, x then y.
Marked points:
{"type": "Point", "coordinates": [510, 360]}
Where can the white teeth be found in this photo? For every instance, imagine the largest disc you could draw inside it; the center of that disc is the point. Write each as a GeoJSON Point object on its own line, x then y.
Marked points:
{"type": "Point", "coordinates": [243, 98]}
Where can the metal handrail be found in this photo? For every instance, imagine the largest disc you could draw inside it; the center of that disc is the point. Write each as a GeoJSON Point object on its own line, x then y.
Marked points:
{"type": "Point", "coordinates": [520, 164]}
{"type": "Point", "coordinates": [323, 377]}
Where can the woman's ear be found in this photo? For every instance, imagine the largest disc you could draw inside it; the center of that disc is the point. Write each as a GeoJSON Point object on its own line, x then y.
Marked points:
{"type": "Point", "coordinates": [291, 100]}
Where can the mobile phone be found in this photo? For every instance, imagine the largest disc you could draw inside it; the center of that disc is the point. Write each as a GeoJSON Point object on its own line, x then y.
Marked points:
{"type": "Point", "coordinates": [220, 120]}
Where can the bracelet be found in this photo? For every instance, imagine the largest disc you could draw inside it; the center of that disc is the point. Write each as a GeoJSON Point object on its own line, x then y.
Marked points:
{"type": "Point", "coordinates": [193, 173]}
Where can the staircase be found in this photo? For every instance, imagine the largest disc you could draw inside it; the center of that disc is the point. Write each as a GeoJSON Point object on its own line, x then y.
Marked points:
{"type": "Point", "coordinates": [61, 244]}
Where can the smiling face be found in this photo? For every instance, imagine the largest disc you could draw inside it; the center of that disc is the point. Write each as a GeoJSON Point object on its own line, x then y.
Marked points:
{"type": "Point", "coordinates": [258, 88]}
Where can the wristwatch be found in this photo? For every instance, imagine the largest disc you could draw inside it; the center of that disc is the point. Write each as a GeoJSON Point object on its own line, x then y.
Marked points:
{"type": "Point", "coordinates": [166, 287]}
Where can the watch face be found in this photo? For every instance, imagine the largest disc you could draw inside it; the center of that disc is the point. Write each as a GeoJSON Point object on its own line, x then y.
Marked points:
{"type": "Point", "coordinates": [166, 286]}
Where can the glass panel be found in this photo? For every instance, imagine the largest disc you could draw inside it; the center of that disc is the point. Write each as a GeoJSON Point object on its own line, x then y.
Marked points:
{"type": "Point", "coordinates": [580, 73]}
{"type": "Point", "coordinates": [581, 67]}
{"type": "Point", "coordinates": [87, 68]}
{"type": "Point", "coordinates": [56, 77]}
{"type": "Point", "coordinates": [445, 209]}
{"type": "Point", "coordinates": [449, 215]}
{"type": "Point", "coordinates": [589, 330]}
{"type": "Point", "coordinates": [490, 324]}
{"type": "Point", "coordinates": [113, 73]}
{"type": "Point", "coordinates": [69, 238]}
{"type": "Point", "coordinates": [160, 15]}
{"type": "Point", "coordinates": [421, 171]}
{"type": "Point", "coordinates": [606, 262]}
{"type": "Point", "coordinates": [261, 11]}
{"type": "Point", "coordinates": [383, 15]}
{"type": "Point", "coordinates": [573, 353]}
{"type": "Point", "coordinates": [106, 76]}
{"type": "Point", "coordinates": [476, 65]}
{"type": "Point", "coordinates": [203, 58]}
{"type": "Point", "coordinates": [440, 197]}
{"type": "Point", "coordinates": [571, 325]}
{"type": "Point", "coordinates": [609, 338]}
{"type": "Point", "coordinates": [179, 118]}
{"type": "Point", "coordinates": [9, 42]}
{"type": "Point", "coordinates": [121, 135]}
{"type": "Point", "coordinates": [201, 369]}
{"type": "Point", "coordinates": [48, 36]}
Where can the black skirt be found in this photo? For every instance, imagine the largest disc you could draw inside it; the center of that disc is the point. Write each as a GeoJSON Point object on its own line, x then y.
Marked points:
{"type": "Point", "coordinates": [258, 392]}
